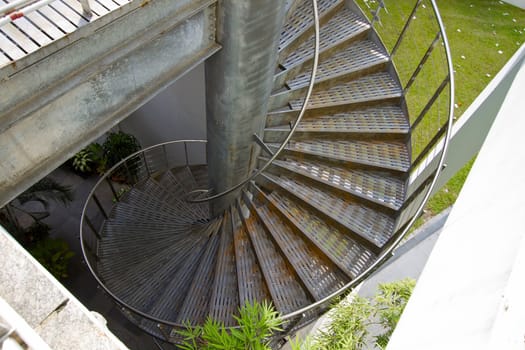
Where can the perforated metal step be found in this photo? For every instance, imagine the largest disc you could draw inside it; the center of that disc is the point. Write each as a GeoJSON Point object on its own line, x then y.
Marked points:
{"type": "Point", "coordinates": [373, 226]}
{"type": "Point", "coordinates": [343, 26]}
{"type": "Point", "coordinates": [378, 187]}
{"type": "Point", "coordinates": [374, 87]}
{"type": "Point", "coordinates": [287, 294]}
{"type": "Point", "coordinates": [359, 56]}
{"type": "Point", "coordinates": [388, 119]}
{"type": "Point", "coordinates": [391, 155]}
{"type": "Point", "coordinates": [350, 256]}
{"type": "Point", "coordinates": [318, 273]}
{"type": "Point", "coordinates": [303, 20]}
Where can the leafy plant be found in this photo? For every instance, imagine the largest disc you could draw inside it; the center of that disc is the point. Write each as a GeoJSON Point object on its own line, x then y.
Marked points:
{"type": "Point", "coordinates": [45, 191]}
{"type": "Point", "coordinates": [390, 303]}
{"type": "Point", "coordinates": [54, 255]}
{"type": "Point", "coordinates": [349, 328]}
{"type": "Point", "coordinates": [256, 323]}
{"type": "Point", "coordinates": [118, 146]}
{"type": "Point", "coordinates": [89, 159]}
{"type": "Point", "coordinates": [35, 233]}
{"type": "Point", "coordinates": [83, 162]}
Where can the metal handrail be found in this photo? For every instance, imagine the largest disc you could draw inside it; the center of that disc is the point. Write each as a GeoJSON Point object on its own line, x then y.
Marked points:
{"type": "Point", "coordinates": [84, 220]}
{"type": "Point", "coordinates": [388, 252]}
{"type": "Point", "coordinates": [385, 254]}
{"type": "Point", "coordinates": [290, 134]}
{"type": "Point", "coordinates": [18, 9]}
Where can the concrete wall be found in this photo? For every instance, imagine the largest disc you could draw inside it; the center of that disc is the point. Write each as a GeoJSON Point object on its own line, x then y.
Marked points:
{"type": "Point", "coordinates": [179, 112]}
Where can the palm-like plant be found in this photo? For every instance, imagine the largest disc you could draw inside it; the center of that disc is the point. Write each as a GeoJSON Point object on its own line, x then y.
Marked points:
{"type": "Point", "coordinates": [44, 191]}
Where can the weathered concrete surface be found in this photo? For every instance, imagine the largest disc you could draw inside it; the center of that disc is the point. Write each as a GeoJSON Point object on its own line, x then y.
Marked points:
{"type": "Point", "coordinates": [54, 313]}
{"type": "Point", "coordinates": [55, 107]}
{"type": "Point", "coordinates": [239, 81]}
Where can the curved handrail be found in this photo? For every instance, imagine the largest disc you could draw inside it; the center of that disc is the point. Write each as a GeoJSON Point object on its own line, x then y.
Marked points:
{"type": "Point", "coordinates": [290, 134]}
{"type": "Point", "coordinates": [393, 244]}
{"type": "Point", "coordinates": [386, 253]}
{"type": "Point", "coordinates": [85, 250]}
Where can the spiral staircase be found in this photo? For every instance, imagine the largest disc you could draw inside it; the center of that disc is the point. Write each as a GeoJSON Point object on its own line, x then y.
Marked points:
{"type": "Point", "coordinates": [322, 215]}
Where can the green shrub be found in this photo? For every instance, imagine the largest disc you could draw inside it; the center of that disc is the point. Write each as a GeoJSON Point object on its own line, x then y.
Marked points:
{"type": "Point", "coordinates": [256, 324]}
{"type": "Point", "coordinates": [54, 255]}
{"type": "Point", "coordinates": [349, 326]}
{"type": "Point", "coordinates": [118, 146]}
{"type": "Point", "coordinates": [83, 162]}
{"type": "Point", "coordinates": [38, 231]}
{"type": "Point", "coordinates": [390, 303]}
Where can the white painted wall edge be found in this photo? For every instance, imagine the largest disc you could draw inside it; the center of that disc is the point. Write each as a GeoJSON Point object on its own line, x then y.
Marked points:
{"type": "Point", "coordinates": [469, 292]}
{"type": "Point", "coordinates": [518, 3]}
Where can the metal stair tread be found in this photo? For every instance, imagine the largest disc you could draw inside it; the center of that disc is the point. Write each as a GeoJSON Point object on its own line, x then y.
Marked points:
{"type": "Point", "coordinates": [376, 120]}
{"type": "Point", "coordinates": [170, 197]}
{"type": "Point", "coordinates": [377, 187]}
{"type": "Point", "coordinates": [319, 275]}
{"type": "Point", "coordinates": [185, 177]}
{"type": "Point", "coordinates": [167, 305]}
{"type": "Point", "coordinates": [130, 213]}
{"type": "Point", "coordinates": [350, 256]}
{"type": "Point", "coordinates": [287, 293]}
{"type": "Point", "coordinates": [392, 155]}
{"type": "Point", "coordinates": [341, 27]}
{"type": "Point", "coordinates": [224, 301]}
{"type": "Point", "coordinates": [140, 198]}
{"type": "Point", "coordinates": [373, 226]}
{"type": "Point", "coordinates": [200, 173]}
{"type": "Point", "coordinates": [251, 284]}
{"type": "Point", "coordinates": [361, 55]}
{"type": "Point", "coordinates": [150, 287]}
{"type": "Point", "coordinates": [127, 283]}
{"type": "Point", "coordinates": [122, 227]}
{"type": "Point", "coordinates": [130, 256]}
{"type": "Point", "coordinates": [302, 19]}
{"type": "Point", "coordinates": [372, 87]}
{"type": "Point", "coordinates": [196, 303]}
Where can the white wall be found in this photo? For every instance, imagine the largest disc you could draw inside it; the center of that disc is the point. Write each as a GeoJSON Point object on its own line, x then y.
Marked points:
{"type": "Point", "coordinates": [179, 112]}
{"type": "Point", "coordinates": [519, 3]}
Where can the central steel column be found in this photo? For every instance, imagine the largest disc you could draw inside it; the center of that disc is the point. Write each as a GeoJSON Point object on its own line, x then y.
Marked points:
{"type": "Point", "coordinates": [239, 80]}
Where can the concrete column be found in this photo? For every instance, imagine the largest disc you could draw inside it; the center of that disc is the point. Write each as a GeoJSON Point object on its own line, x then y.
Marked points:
{"type": "Point", "coordinates": [238, 84]}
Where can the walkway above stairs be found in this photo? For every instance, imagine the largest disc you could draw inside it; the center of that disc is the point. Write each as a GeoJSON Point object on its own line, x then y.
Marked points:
{"type": "Point", "coordinates": [68, 77]}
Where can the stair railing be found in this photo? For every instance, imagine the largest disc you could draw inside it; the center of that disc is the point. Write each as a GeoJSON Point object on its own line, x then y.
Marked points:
{"type": "Point", "coordinates": [417, 196]}
{"type": "Point", "coordinates": [20, 8]}
{"type": "Point", "coordinates": [112, 186]}
{"type": "Point", "coordinates": [195, 196]}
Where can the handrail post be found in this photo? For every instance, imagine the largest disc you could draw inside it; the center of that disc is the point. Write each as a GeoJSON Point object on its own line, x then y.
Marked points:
{"type": "Point", "coordinates": [405, 27]}
{"type": "Point", "coordinates": [422, 62]}
{"type": "Point", "coordinates": [186, 153]}
{"type": "Point", "coordinates": [165, 156]}
{"type": "Point", "coordinates": [115, 195]}
{"type": "Point", "coordinates": [146, 163]}
{"type": "Point", "coordinates": [100, 207]}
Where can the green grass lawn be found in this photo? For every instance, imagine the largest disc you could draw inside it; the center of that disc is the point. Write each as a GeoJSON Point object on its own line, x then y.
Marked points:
{"type": "Point", "coordinates": [483, 35]}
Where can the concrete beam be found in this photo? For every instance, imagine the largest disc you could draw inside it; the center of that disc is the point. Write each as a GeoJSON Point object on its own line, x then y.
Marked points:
{"type": "Point", "coordinates": [48, 308]}
{"type": "Point", "coordinates": [55, 107]}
